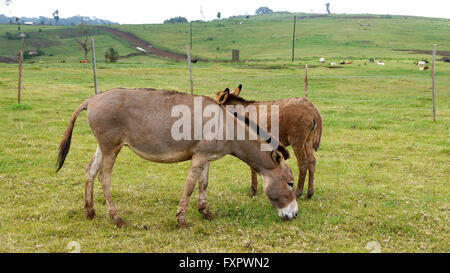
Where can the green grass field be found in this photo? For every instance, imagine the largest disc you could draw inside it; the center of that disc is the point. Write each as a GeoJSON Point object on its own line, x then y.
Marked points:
{"type": "Point", "coordinates": [383, 167]}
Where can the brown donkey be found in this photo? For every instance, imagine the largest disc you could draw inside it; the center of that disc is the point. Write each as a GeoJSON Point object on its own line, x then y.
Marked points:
{"type": "Point", "coordinates": [144, 119]}
{"type": "Point", "coordinates": [300, 125]}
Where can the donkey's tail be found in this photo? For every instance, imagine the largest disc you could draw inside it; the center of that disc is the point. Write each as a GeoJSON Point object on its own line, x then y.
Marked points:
{"type": "Point", "coordinates": [317, 131]}
{"type": "Point", "coordinates": [65, 142]}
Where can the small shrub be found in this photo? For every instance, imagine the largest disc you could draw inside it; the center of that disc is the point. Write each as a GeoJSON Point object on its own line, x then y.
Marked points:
{"type": "Point", "coordinates": [16, 107]}
{"type": "Point", "coordinates": [209, 39]}
{"type": "Point", "coordinates": [112, 55]}
{"type": "Point", "coordinates": [30, 54]}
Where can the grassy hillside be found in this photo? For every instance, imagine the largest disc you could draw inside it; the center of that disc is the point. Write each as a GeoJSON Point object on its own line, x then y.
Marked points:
{"type": "Point", "coordinates": [269, 37]}
{"type": "Point", "coordinates": [263, 38]}
{"type": "Point", "coordinates": [58, 42]}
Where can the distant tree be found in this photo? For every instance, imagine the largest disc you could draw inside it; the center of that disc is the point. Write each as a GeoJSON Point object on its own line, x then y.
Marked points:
{"type": "Point", "coordinates": [178, 19]}
{"type": "Point", "coordinates": [263, 10]}
{"type": "Point", "coordinates": [56, 16]}
{"type": "Point", "coordinates": [327, 5]}
{"type": "Point", "coordinates": [247, 17]}
{"type": "Point", "coordinates": [219, 15]}
{"type": "Point", "coordinates": [112, 54]}
{"type": "Point", "coordinates": [83, 30]}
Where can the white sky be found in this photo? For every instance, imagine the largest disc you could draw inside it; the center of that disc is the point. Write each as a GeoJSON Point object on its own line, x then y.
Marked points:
{"type": "Point", "coordinates": [156, 11]}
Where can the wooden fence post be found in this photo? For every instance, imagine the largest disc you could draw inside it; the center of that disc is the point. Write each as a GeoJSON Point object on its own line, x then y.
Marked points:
{"type": "Point", "coordinates": [19, 87]}
{"type": "Point", "coordinates": [190, 69]}
{"type": "Point", "coordinates": [306, 80]}
{"type": "Point", "coordinates": [94, 66]}
{"type": "Point", "coordinates": [433, 80]}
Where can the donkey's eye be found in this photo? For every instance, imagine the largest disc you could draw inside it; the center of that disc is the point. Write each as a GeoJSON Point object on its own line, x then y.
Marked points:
{"type": "Point", "coordinates": [291, 184]}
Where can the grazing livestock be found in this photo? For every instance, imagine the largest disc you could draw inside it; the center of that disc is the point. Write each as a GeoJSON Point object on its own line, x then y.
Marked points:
{"type": "Point", "coordinates": [322, 60]}
{"type": "Point", "coordinates": [300, 125]}
{"type": "Point", "coordinates": [421, 63]}
{"type": "Point", "coordinates": [380, 63]}
{"type": "Point", "coordinates": [424, 68]}
{"type": "Point", "coordinates": [144, 120]}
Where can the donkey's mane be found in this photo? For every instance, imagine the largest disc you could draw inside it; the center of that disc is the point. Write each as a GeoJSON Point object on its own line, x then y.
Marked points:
{"type": "Point", "coordinates": [261, 132]}
{"type": "Point", "coordinates": [240, 99]}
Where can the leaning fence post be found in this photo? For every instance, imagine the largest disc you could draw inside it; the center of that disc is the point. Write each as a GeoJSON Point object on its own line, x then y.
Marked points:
{"type": "Point", "coordinates": [433, 83]}
{"type": "Point", "coordinates": [190, 69]}
{"type": "Point", "coordinates": [306, 80]}
{"type": "Point", "coordinates": [94, 65]}
{"type": "Point", "coordinates": [19, 87]}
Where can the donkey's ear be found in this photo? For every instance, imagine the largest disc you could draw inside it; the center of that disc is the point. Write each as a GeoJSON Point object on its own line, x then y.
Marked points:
{"type": "Point", "coordinates": [222, 97]}
{"type": "Point", "coordinates": [277, 156]}
{"type": "Point", "coordinates": [237, 90]}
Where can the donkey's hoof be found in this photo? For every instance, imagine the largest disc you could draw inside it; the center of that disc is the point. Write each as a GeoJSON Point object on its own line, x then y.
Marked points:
{"type": "Point", "coordinates": [208, 216]}
{"type": "Point", "coordinates": [182, 224]}
{"type": "Point", "coordinates": [90, 214]}
{"type": "Point", "coordinates": [252, 192]}
{"type": "Point", "coordinates": [299, 194]}
{"type": "Point", "coordinates": [120, 223]}
{"type": "Point", "coordinates": [309, 194]}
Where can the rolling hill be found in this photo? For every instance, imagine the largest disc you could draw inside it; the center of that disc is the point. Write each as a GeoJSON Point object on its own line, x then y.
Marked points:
{"type": "Point", "coordinates": [262, 38]}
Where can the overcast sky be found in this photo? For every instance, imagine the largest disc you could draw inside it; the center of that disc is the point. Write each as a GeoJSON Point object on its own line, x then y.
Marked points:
{"type": "Point", "coordinates": [150, 11]}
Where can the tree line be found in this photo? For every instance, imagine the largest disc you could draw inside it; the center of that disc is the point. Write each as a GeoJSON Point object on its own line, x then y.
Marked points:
{"type": "Point", "coordinates": [56, 20]}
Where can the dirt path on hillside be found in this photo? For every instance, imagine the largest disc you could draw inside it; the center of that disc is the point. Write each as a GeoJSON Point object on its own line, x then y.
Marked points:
{"type": "Point", "coordinates": [137, 42]}
{"type": "Point", "coordinates": [445, 54]}
{"type": "Point", "coordinates": [8, 60]}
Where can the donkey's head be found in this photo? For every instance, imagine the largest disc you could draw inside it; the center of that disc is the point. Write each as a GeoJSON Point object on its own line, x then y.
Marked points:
{"type": "Point", "coordinates": [278, 180]}
{"type": "Point", "coordinates": [278, 185]}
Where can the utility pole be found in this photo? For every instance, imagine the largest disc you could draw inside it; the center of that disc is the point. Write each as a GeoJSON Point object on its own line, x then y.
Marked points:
{"type": "Point", "coordinates": [190, 25]}
{"type": "Point", "coordinates": [293, 39]}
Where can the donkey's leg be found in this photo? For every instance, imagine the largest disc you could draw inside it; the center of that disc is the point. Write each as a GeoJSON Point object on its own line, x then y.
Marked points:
{"type": "Point", "coordinates": [311, 169]}
{"type": "Point", "coordinates": [202, 185]}
{"type": "Point", "coordinates": [91, 172]}
{"type": "Point", "coordinates": [197, 166]}
{"type": "Point", "coordinates": [302, 163]}
{"type": "Point", "coordinates": [105, 179]}
{"type": "Point", "coordinates": [254, 186]}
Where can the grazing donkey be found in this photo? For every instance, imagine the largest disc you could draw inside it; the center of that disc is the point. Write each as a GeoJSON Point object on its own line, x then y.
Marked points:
{"type": "Point", "coordinates": [300, 125]}
{"type": "Point", "coordinates": [144, 119]}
